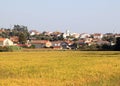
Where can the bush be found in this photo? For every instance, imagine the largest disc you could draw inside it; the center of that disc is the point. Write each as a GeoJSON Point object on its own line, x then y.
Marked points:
{"type": "Point", "coordinates": [3, 49]}
{"type": "Point", "coordinates": [10, 48]}
{"type": "Point", "coordinates": [30, 47]}
{"type": "Point", "coordinates": [13, 48]}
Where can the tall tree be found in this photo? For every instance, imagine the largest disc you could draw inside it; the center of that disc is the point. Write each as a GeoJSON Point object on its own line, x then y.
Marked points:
{"type": "Point", "coordinates": [22, 38]}
{"type": "Point", "coordinates": [117, 46]}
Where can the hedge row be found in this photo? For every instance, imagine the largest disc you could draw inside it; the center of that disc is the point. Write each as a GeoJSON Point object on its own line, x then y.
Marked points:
{"type": "Point", "coordinates": [10, 48]}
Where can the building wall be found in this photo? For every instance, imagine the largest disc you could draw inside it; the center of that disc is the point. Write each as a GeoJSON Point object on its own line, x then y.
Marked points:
{"type": "Point", "coordinates": [1, 43]}
{"type": "Point", "coordinates": [7, 42]}
{"type": "Point", "coordinates": [39, 45]}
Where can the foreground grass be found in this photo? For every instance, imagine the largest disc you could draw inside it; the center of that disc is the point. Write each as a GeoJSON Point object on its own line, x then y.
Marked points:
{"type": "Point", "coordinates": [60, 68]}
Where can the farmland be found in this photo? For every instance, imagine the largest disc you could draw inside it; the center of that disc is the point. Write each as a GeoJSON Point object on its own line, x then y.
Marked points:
{"type": "Point", "coordinates": [60, 68]}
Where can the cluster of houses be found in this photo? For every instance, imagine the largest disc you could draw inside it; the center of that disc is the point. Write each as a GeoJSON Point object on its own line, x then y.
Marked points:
{"type": "Point", "coordinates": [13, 41]}
{"type": "Point", "coordinates": [67, 43]}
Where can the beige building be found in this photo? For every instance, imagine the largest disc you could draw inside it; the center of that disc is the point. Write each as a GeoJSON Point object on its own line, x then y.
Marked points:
{"type": "Point", "coordinates": [41, 43]}
{"type": "Point", "coordinates": [5, 42]}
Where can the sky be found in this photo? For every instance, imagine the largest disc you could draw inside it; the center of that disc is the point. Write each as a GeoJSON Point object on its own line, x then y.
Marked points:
{"type": "Point", "coordinates": [80, 16]}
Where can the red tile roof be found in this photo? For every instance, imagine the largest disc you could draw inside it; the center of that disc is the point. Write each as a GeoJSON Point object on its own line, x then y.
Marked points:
{"type": "Point", "coordinates": [2, 39]}
{"type": "Point", "coordinates": [14, 39]}
{"type": "Point", "coordinates": [39, 41]}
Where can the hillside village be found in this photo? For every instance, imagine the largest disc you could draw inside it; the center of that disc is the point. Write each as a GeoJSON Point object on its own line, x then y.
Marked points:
{"type": "Point", "coordinates": [20, 36]}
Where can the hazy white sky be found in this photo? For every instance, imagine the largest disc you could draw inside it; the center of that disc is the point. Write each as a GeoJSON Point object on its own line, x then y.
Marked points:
{"type": "Point", "coordinates": [58, 15]}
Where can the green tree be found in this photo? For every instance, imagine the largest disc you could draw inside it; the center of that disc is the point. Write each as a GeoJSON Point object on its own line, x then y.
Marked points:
{"type": "Point", "coordinates": [22, 38]}
{"type": "Point", "coordinates": [117, 46]}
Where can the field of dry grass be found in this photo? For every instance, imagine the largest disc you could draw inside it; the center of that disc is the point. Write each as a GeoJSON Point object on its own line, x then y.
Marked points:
{"type": "Point", "coordinates": [60, 68]}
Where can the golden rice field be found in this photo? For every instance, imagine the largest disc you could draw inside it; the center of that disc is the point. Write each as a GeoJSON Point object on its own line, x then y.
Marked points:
{"type": "Point", "coordinates": [60, 68]}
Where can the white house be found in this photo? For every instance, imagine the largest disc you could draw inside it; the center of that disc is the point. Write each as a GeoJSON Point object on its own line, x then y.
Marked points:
{"type": "Point", "coordinates": [5, 42]}
{"type": "Point", "coordinates": [88, 41]}
{"type": "Point", "coordinates": [67, 33]}
{"type": "Point", "coordinates": [75, 35]}
{"type": "Point", "coordinates": [84, 35]}
{"type": "Point", "coordinates": [97, 35]}
{"type": "Point", "coordinates": [34, 32]}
